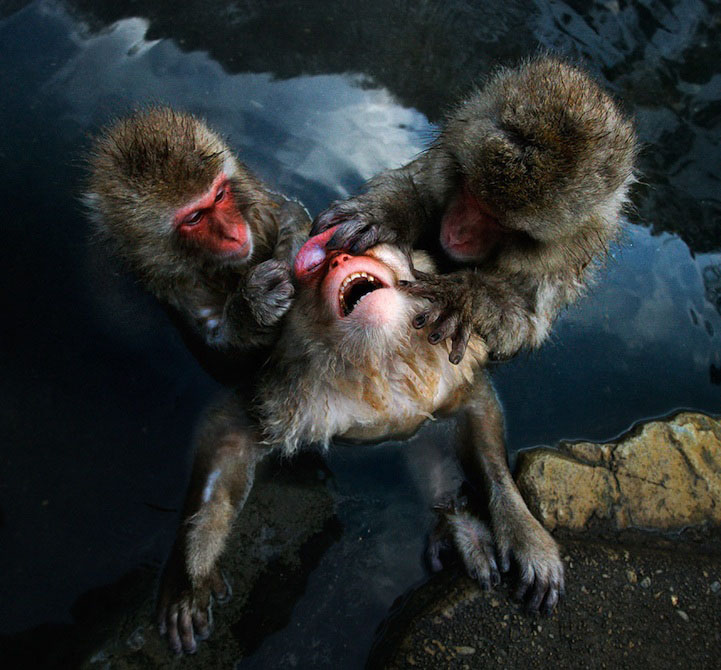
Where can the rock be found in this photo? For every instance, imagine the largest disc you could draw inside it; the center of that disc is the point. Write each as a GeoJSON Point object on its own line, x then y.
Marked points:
{"type": "Point", "coordinates": [645, 583]}
{"type": "Point", "coordinates": [663, 475]}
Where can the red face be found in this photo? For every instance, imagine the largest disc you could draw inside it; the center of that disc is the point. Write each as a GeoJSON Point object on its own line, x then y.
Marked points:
{"type": "Point", "coordinates": [214, 224]}
{"type": "Point", "coordinates": [469, 231]}
{"type": "Point", "coordinates": [357, 288]}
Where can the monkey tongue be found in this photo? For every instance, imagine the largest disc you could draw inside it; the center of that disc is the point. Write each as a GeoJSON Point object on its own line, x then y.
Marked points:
{"type": "Point", "coordinates": [312, 255]}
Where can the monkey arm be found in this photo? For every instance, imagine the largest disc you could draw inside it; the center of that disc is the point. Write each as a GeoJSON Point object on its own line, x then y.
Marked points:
{"type": "Point", "coordinates": [293, 225]}
{"type": "Point", "coordinates": [517, 534]}
{"type": "Point", "coordinates": [510, 312]}
{"type": "Point", "coordinates": [251, 315]}
{"type": "Point", "coordinates": [222, 477]}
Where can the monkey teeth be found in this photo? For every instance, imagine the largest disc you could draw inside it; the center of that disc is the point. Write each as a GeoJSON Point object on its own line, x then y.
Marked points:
{"type": "Point", "coordinates": [354, 288]}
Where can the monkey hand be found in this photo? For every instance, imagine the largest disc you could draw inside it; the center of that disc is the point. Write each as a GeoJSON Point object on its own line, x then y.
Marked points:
{"type": "Point", "coordinates": [521, 537]}
{"type": "Point", "coordinates": [269, 291]}
{"type": "Point", "coordinates": [358, 228]}
{"type": "Point", "coordinates": [451, 312]}
{"type": "Point", "coordinates": [184, 609]}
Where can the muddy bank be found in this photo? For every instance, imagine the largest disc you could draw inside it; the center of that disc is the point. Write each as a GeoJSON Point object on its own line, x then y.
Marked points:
{"type": "Point", "coordinates": [639, 524]}
{"type": "Point", "coordinates": [625, 606]}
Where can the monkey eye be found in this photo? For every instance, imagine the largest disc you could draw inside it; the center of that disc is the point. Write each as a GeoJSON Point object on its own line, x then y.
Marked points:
{"type": "Point", "coordinates": [193, 218]}
{"type": "Point", "coordinates": [220, 195]}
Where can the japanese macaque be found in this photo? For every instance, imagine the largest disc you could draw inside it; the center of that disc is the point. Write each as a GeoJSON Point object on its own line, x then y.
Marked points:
{"type": "Point", "coordinates": [202, 233]}
{"type": "Point", "coordinates": [520, 195]}
{"type": "Point", "coordinates": [348, 364]}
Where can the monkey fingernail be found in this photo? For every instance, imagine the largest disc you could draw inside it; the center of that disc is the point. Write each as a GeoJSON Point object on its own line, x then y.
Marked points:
{"type": "Point", "coordinates": [455, 358]}
{"type": "Point", "coordinates": [434, 338]}
{"type": "Point", "coordinates": [420, 321]}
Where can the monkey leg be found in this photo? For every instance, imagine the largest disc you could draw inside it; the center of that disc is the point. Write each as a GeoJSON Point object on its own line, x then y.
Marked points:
{"type": "Point", "coordinates": [517, 534]}
{"type": "Point", "coordinates": [222, 477]}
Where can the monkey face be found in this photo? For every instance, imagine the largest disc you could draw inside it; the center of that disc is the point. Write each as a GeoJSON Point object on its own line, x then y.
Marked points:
{"type": "Point", "coordinates": [214, 224]}
{"type": "Point", "coordinates": [469, 230]}
{"type": "Point", "coordinates": [353, 296]}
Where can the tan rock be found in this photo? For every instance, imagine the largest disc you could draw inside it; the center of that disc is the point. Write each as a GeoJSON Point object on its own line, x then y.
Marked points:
{"type": "Point", "coordinates": [663, 474]}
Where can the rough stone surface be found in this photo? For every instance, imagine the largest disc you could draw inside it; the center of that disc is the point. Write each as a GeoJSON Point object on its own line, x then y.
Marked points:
{"type": "Point", "coordinates": [668, 619]}
{"type": "Point", "coordinates": [663, 475]}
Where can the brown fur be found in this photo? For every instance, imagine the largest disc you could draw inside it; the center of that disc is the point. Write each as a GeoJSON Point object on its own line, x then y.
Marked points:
{"type": "Point", "coordinates": [550, 154]}
{"type": "Point", "coordinates": [550, 151]}
{"type": "Point", "coordinates": [141, 170]}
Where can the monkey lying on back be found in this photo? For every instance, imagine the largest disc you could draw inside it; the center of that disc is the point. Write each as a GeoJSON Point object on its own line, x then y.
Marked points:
{"type": "Point", "coordinates": [202, 233]}
{"type": "Point", "coordinates": [522, 190]}
{"type": "Point", "coordinates": [348, 364]}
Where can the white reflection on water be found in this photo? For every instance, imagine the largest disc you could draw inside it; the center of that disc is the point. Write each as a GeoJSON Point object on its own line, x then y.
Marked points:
{"type": "Point", "coordinates": [332, 131]}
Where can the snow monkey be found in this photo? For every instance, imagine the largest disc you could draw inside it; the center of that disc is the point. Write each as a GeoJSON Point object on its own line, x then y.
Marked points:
{"type": "Point", "coordinates": [201, 232]}
{"type": "Point", "coordinates": [519, 196]}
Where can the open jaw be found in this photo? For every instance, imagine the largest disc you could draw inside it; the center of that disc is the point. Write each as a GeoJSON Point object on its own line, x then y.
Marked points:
{"type": "Point", "coordinates": [354, 288]}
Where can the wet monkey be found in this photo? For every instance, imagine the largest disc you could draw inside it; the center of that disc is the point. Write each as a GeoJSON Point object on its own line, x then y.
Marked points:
{"type": "Point", "coordinates": [348, 364]}
{"type": "Point", "coordinates": [201, 232]}
{"type": "Point", "coordinates": [519, 195]}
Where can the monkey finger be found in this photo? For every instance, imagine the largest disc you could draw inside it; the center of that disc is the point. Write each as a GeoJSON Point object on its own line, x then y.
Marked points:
{"type": "Point", "coordinates": [328, 218]}
{"type": "Point", "coordinates": [172, 627]}
{"type": "Point", "coordinates": [427, 316]}
{"type": "Point", "coordinates": [504, 558]}
{"type": "Point", "coordinates": [419, 289]}
{"type": "Point", "coordinates": [202, 623]}
{"type": "Point", "coordinates": [185, 627]}
{"type": "Point", "coordinates": [436, 546]}
{"type": "Point", "coordinates": [422, 276]}
{"type": "Point", "coordinates": [443, 327]}
{"type": "Point", "coordinates": [525, 581]}
{"type": "Point", "coordinates": [355, 235]}
{"type": "Point", "coordinates": [459, 343]}
{"type": "Point", "coordinates": [220, 586]}
{"type": "Point", "coordinates": [551, 601]}
{"type": "Point", "coordinates": [538, 593]}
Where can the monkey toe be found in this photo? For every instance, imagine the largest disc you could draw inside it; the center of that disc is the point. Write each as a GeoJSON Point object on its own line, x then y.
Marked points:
{"type": "Point", "coordinates": [222, 591]}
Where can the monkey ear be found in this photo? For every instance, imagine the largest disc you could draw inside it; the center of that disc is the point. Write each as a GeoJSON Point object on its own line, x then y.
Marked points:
{"type": "Point", "coordinates": [312, 255]}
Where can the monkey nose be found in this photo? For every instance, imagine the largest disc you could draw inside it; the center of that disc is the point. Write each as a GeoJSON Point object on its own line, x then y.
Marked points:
{"type": "Point", "coordinates": [313, 255]}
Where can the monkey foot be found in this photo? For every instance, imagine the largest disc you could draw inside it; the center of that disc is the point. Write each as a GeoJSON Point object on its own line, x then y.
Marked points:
{"type": "Point", "coordinates": [474, 542]}
{"type": "Point", "coordinates": [184, 612]}
{"type": "Point", "coordinates": [540, 568]}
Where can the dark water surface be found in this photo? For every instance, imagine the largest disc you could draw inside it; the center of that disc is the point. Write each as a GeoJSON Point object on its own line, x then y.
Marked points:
{"type": "Point", "coordinates": [99, 394]}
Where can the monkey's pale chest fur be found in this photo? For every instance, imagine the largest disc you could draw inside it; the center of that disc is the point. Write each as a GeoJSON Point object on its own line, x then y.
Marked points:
{"type": "Point", "coordinates": [388, 397]}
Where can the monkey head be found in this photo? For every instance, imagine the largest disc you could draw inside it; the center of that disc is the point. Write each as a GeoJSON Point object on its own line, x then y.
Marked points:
{"type": "Point", "coordinates": [354, 300]}
{"type": "Point", "coordinates": [163, 186]}
{"type": "Point", "coordinates": [535, 151]}
{"type": "Point", "coordinates": [349, 363]}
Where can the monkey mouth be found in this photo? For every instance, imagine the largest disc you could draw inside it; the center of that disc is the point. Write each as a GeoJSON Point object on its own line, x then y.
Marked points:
{"type": "Point", "coordinates": [354, 288]}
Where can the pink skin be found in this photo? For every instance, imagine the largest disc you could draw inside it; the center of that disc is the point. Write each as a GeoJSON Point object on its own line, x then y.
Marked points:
{"type": "Point", "coordinates": [214, 223]}
{"type": "Point", "coordinates": [469, 230]}
{"type": "Point", "coordinates": [326, 271]}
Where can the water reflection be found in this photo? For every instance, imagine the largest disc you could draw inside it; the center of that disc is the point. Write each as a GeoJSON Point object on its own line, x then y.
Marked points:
{"type": "Point", "coordinates": [99, 392]}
